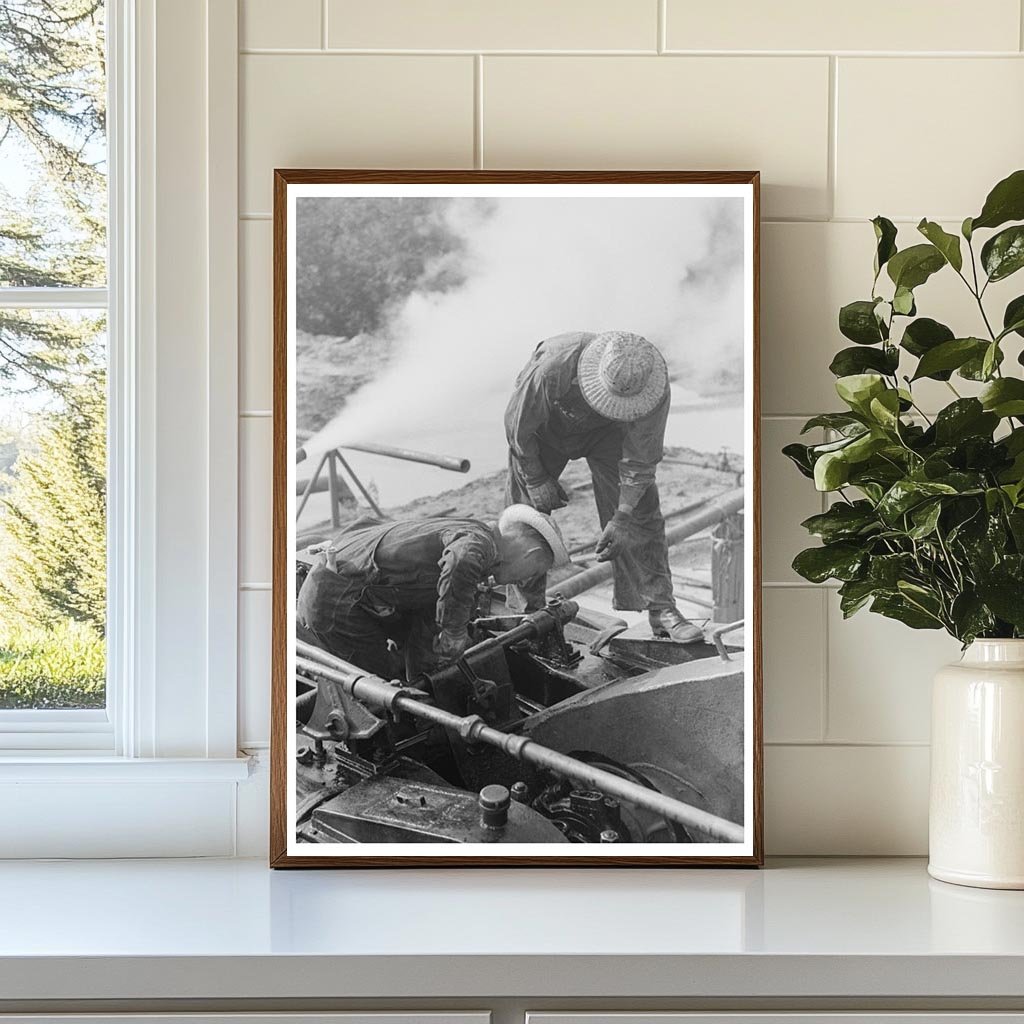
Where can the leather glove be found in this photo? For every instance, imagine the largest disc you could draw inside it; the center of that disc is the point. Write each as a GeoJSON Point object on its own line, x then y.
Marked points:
{"type": "Point", "coordinates": [448, 646]}
{"type": "Point", "coordinates": [615, 538]}
{"type": "Point", "coordinates": [546, 495]}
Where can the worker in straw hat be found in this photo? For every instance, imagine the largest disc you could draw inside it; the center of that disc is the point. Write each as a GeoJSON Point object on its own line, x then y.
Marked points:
{"type": "Point", "coordinates": [603, 398]}
{"type": "Point", "coordinates": [414, 583]}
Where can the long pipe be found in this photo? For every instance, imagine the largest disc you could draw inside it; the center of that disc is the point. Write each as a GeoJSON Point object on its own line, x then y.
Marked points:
{"type": "Point", "coordinates": [707, 515]}
{"type": "Point", "coordinates": [472, 729]}
{"type": "Point", "coordinates": [450, 462]}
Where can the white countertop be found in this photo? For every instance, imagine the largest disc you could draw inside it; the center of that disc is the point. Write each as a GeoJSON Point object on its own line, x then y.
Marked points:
{"type": "Point", "coordinates": [233, 929]}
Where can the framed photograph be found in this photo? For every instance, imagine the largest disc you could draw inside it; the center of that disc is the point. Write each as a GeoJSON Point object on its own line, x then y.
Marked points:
{"type": "Point", "coordinates": [516, 526]}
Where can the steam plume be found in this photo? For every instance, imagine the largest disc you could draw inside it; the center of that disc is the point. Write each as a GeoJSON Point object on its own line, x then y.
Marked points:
{"type": "Point", "coordinates": [670, 270]}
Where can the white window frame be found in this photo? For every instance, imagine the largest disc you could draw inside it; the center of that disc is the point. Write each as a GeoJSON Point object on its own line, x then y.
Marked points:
{"type": "Point", "coordinates": [72, 729]}
{"type": "Point", "coordinates": [170, 731]}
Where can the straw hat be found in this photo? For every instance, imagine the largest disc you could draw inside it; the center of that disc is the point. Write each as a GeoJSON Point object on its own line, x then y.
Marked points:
{"type": "Point", "coordinates": [544, 525]}
{"type": "Point", "coordinates": [622, 376]}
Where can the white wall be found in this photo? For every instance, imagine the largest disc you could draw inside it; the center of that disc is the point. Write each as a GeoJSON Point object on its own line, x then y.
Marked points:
{"type": "Point", "coordinates": [908, 109]}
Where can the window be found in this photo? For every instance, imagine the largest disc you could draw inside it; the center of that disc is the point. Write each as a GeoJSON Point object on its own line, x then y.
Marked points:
{"type": "Point", "coordinates": [53, 373]}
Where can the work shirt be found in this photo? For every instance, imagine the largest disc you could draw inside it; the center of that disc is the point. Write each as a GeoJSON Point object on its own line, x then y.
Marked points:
{"type": "Point", "coordinates": [415, 564]}
{"type": "Point", "coordinates": [547, 407]}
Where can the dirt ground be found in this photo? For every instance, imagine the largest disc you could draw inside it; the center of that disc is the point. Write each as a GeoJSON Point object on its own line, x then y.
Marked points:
{"type": "Point", "coordinates": [685, 477]}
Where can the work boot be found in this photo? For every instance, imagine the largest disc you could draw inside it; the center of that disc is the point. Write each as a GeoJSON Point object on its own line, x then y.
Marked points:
{"type": "Point", "coordinates": [669, 624]}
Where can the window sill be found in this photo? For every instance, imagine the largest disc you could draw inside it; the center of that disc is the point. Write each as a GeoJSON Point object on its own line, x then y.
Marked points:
{"type": "Point", "coordinates": [211, 933]}
{"type": "Point", "coordinates": [80, 767]}
{"type": "Point", "coordinates": [78, 806]}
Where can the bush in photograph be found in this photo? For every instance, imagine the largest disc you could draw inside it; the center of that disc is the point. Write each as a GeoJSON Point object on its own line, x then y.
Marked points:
{"type": "Point", "coordinates": [360, 258]}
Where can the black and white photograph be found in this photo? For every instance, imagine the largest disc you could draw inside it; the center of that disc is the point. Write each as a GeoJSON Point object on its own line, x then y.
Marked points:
{"type": "Point", "coordinates": [516, 614]}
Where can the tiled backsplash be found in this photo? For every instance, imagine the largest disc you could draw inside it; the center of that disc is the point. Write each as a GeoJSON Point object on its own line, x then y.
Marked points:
{"type": "Point", "coordinates": [906, 109]}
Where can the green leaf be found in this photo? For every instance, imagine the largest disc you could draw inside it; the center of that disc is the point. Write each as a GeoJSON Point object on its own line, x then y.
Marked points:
{"type": "Point", "coordinates": [1013, 317]}
{"type": "Point", "coordinates": [831, 471]}
{"type": "Point", "coordinates": [885, 237]}
{"type": "Point", "coordinates": [1005, 202]}
{"type": "Point", "coordinates": [843, 521]}
{"type": "Point", "coordinates": [974, 368]}
{"type": "Point", "coordinates": [858, 389]}
{"type": "Point", "coordinates": [991, 360]}
{"type": "Point", "coordinates": [800, 456]}
{"type": "Point", "coordinates": [906, 494]}
{"type": "Point", "coordinates": [1005, 596]}
{"type": "Point", "coordinates": [965, 229]}
{"type": "Point", "coordinates": [925, 518]}
{"type": "Point", "coordinates": [971, 617]}
{"type": "Point", "coordinates": [947, 244]}
{"type": "Point", "coordinates": [899, 608]}
{"type": "Point", "coordinates": [849, 361]}
{"type": "Point", "coordinates": [840, 421]}
{"type": "Point", "coordinates": [1004, 397]}
{"type": "Point", "coordinates": [885, 571]}
{"type": "Point", "coordinates": [923, 335]}
{"type": "Point", "coordinates": [966, 417]}
{"type": "Point", "coordinates": [903, 302]}
{"type": "Point", "coordinates": [842, 561]}
{"type": "Point", "coordinates": [864, 446]}
{"type": "Point", "coordinates": [854, 594]}
{"type": "Point", "coordinates": [949, 355]}
{"type": "Point", "coordinates": [1003, 254]}
{"type": "Point", "coordinates": [885, 409]}
{"type": "Point", "coordinates": [912, 267]}
{"type": "Point", "coordinates": [857, 321]}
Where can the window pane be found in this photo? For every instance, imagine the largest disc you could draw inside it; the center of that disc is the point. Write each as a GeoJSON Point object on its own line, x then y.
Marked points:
{"type": "Point", "coordinates": [52, 509]}
{"type": "Point", "coordinates": [53, 151]}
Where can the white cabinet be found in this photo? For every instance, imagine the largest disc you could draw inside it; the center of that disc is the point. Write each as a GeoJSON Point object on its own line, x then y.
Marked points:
{"type": "Point", "coordinates": [785, 1017]}
{"type": "Point", "coordinates": [357, 1017]}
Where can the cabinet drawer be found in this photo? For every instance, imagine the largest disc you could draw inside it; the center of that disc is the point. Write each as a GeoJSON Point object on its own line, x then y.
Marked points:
{"type": "Point", "coordinates": [852, 1017]}
{"type": "Point", "coordinates": [355, 1017]}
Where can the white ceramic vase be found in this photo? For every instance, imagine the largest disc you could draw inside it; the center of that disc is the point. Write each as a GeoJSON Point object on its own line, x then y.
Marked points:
{"type": "Point", "coordinates": [976, 816]}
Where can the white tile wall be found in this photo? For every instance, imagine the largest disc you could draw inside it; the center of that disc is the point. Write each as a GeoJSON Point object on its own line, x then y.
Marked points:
{"type": "Point", "coordinates": [694, 112]}
{"type": "Point", "coordinates": [494, 25]}
{"type": "Point", "coordinates": [909, 109]}
{"type": "Point", "coordinates": [874, 25]}
{"type": "Point", "coordinates": [969, 109]}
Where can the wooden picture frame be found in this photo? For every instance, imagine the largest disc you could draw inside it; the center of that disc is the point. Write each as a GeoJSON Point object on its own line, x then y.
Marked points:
{"type": "Point", "coordinates": [286, 851]}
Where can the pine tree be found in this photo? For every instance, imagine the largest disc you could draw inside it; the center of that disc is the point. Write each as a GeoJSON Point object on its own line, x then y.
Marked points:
{"type": "Point", "coordinates": [53, 520]}
{"type": "Point", "coordinates": [52, 121]}
{"type": "Point", "coordinates": [53, 234]}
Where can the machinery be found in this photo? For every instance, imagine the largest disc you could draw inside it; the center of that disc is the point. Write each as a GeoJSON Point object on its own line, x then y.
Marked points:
{"type": "Point", "coordinates": [546, 731]}
{"type": "Point", "coordinates": [553, 727]}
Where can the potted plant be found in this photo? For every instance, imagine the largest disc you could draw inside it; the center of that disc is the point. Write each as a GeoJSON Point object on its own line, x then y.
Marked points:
{"type": "Point", "coordinates": [926, 519]}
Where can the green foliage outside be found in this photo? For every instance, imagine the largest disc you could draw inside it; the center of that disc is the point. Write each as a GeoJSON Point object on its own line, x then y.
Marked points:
{"type": "Point", "coordinates": [55, 667]}
{"type": "Point", "coordinates": [52, 542]}
{"type": "Point", "coordinates": [52, 470]}
{"type": "Point", "coordinates": [927, 525]}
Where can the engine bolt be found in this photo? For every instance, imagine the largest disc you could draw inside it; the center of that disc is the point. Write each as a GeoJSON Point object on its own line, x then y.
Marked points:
{"type": "Point", "coordinates": [494, 803]}
{"type": "Point", "coordinates": [520, 792]}
{"type": "Point", "coordinates": [609, 835]}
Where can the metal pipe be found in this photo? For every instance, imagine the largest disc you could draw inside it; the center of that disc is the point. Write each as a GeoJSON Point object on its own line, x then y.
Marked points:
{"type": "Point", "coordinates": [359, 483]}
{"type": "Point", "coordinates": [472, 729]}
{"type": "Point", "coordinates": [332, 486]}
{"type": "Point", "coordinates": [535, 624]}
{"type": "Point", "coordinates": [309, 487]}
{"type": "Point", "coordinates": [450, 462]}
{"type": "Point", "coordinates": [707, 515]}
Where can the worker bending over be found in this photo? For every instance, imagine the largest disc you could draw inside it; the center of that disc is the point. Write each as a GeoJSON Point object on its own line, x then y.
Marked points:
{"type": "Point", "coordinates": [604, 398]}
{"type": "Point", "coordinates": [414, 582]}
